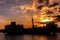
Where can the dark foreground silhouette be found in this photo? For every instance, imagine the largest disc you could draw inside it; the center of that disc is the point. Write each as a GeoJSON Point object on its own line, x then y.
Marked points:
{"type": "Point", "coordinates": [50, 29]}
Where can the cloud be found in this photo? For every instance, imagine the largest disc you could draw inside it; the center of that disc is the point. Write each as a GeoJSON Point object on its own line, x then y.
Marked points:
{"type": "Point", "coordinates": [2, 1]}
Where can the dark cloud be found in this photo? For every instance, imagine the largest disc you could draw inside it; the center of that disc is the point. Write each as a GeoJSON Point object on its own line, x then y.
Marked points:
{"type": "Point", "coordinates": [58, 17]}
{"type": "Point", "coordinates": [54, 4]}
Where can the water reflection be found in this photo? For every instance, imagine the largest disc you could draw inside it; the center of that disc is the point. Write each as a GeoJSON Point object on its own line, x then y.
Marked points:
{"type": "Point", "coordinates": [52, 37]}
{"type": "Point", "coordinates": [40, 37]}
{"type": "Point", "coordinates": [31, 37]}
{"type": "Point", "coordinates": [10, 37]}
{"type": "Point", "coordinates": [13, 37]}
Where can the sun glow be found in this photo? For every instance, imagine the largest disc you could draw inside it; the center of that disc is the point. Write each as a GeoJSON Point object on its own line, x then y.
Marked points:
{"type": "Point", "coordinates": [46, 20]}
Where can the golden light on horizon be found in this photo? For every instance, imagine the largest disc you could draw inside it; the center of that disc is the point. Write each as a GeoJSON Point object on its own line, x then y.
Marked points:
{"type": "Point", "coordinates": [47, 19]}
{"type": "Point", "coordinates": [44, 19]}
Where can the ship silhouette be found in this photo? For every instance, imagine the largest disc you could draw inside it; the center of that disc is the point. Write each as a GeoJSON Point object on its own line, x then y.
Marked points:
{"type": "Point", "coordinates": [50, 29]}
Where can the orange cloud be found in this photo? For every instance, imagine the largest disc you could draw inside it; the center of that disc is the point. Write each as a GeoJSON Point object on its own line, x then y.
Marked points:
{"type": "Point", "coordinates": [58, 24]}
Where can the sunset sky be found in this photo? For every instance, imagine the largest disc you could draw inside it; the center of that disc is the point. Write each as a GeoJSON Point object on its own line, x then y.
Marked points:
{"type": "Point", "coordinates": [10, 10]}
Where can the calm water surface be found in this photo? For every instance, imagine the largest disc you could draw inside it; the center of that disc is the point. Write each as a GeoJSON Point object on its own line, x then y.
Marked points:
{"type": "Point", "coordinates": [29, 37]}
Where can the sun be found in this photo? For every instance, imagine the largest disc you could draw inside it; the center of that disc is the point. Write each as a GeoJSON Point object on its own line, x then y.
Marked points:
{"type": "Point", "coordinates": [43, 21]}
{"type": "Point", "coordinates": [46, 20]}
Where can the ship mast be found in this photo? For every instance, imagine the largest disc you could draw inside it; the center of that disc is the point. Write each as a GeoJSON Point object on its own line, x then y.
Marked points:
{"type": "Point", "coordinates": [32, 20]}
